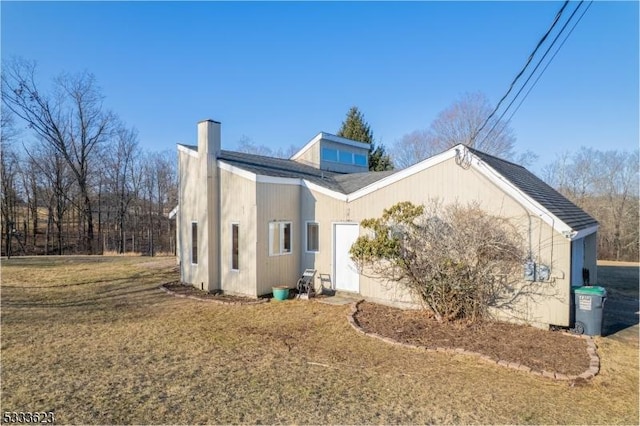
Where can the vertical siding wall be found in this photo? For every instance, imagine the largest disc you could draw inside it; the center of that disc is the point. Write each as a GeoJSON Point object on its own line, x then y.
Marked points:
{"type": "Point", "coordinates": [238, 205]}
{"type": "Point", "coordinates": [277, 202]}
{"type": "Point", "coordinates": [311, 156]}
{"type": "Point", "coordinates": [545, 303]}
{"type": "Point", "coordinates": [212, 213]}
{"type": "Point", "coordinates": [326, 211]}
{"type": "Point", "coordinates": [193, 207]}
{"type": "Point", "coordinates": [254, 205]}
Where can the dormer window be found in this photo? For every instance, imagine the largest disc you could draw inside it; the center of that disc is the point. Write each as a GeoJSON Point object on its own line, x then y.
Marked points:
{"type": "Point", "coordinates": [343, 157]}
{"type": "Point", "coordinates": [330, 154]}
{"type": "Point", "coordinates": [360, 160]}
{"type": "Point", "coordinates": [334, 154]}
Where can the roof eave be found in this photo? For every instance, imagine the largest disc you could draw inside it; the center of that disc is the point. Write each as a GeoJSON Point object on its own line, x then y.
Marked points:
{"type": "Point", "coordinates": [576, 235]}
{"type": "Point", "coordinates": [526, 200]}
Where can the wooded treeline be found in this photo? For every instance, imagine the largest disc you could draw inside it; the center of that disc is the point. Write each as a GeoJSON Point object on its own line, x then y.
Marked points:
{"type": "Point", "coordinates": [84, 185]}
{"type": "Point", "coordinates": [605, 185]}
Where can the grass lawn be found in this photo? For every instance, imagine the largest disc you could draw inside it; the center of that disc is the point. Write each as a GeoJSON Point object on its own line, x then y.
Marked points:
{"type": "Point", "coordinates": [94, 340]}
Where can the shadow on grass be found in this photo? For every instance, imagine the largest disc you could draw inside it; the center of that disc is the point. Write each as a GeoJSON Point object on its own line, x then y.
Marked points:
{"type": "Point", "coordinates": [52, 286]}
{"type": "Point", "coordinates": [96, 302]}
{"type": "Point", "coordinates": [621, 307]}
{"type": "Point", "coordinates": [128, 288]}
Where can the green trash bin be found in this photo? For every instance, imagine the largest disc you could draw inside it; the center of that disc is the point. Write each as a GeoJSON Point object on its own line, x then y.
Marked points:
{"type": "Point", "coordinates": [589, 303]}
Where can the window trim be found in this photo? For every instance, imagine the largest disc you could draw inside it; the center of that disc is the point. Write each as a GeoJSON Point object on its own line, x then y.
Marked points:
{"type": "Point", "coordinates": [306, 236]}
{"type": "Point", "coordinates": [281, 225]}
{"type": "Point", "coordinates": [237, 256]}
{"type": "Point", "coordinates": [194, 247]}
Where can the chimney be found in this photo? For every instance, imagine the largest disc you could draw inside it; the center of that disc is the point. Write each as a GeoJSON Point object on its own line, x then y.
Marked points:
{"type": "Point", "coordinates": [209, 137]}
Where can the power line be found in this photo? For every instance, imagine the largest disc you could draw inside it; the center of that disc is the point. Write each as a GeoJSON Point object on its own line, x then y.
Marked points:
{"type": "Point", "coordinates": [538, 65]}
{"type": "Point", "coordinates": [535, 50]}
{"type": "Point", "coordinates": [550, 60]}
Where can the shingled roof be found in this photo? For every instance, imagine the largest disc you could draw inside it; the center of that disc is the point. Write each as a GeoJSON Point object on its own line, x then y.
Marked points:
{"type": "Point", "coordinates": [534, 187]}
{"type": "Point", "coordinates": [279, 167]}
{"type": "Point", "coordinates": [537, 189]}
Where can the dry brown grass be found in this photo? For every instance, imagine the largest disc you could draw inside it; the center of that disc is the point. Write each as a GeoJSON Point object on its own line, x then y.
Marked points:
{"type": "Point", "coordinates": [96, 341]}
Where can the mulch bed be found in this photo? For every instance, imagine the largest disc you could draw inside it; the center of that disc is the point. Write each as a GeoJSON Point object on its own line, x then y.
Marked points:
{"type": "Point", "coordinates": [535, 348]}
{"type": "Point", "coordinates": [189, 290]}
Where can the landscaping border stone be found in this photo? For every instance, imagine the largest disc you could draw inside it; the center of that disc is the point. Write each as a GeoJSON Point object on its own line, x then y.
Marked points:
{"type": "Point", "coordinates": [217, 301]}
{"type": "Point", "coordinates": [591, 372]}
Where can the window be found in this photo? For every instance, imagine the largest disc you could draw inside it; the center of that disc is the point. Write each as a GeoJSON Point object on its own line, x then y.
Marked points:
{"type": "Point", "coordinates": [194, 243]}
{"type": "Point", "coordinates": [234, 246]}
{"type": "Point", "coordinates": [286, 238]}
{"type": "Point", "coordinates": [279, 238]}
{"type": "Point", "coordinates": [343, 156]}
{"type": "Point", "coordinates": [329, 154]}
{"type": "Point", "coordinates": [313, 237]}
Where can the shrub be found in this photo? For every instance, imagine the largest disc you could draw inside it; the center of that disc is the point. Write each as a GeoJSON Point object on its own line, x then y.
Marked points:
{"type": "Point", "coordinates": [456, 260]}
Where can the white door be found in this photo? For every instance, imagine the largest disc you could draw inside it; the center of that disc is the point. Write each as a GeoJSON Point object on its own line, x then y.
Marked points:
{"type": "Point", "coordinates": [345, 274]}
{"type": "Point", "coordinates": [577, 261]}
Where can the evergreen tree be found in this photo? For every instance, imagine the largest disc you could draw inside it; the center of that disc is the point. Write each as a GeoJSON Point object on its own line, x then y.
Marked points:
{"type": "Point", "coordinates": [355, 127]}
{"type": "Point", "coordinates": [379, 160]}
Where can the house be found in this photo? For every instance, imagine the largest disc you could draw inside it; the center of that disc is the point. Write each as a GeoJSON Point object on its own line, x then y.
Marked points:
{"type": "Point", "coordinates": [248, 222]}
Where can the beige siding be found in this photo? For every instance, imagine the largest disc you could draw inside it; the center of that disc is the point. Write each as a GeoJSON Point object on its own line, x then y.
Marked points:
{"type": "Point", "coordinates": [199, 202]}
{"type": "Point", "coordinates": [212, 213]}
{"type": "Point", "coordinates": [539, 302]}
{"type": "Point", "coordinates": [325, 211]}
{"type": "Point", "coordinates": [311, 156]}
{"type": "Point", "coordinates": [238, 205]}
{"type": "Point", "coordinates": [277, 202]}
{"type": "Point", "coordinates": [254, 205]}
{"type": "Point", "coordinates": [451, 183]}
{"type": "Point", "coordinates": [193, 202]}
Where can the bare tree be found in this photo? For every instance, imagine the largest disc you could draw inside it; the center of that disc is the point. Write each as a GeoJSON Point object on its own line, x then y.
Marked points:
{"type": "Point", "coordinates": [458, 124]}
{"type": "Point", "coordinates": [159, 196]}
{"type": "Point", "coordinates": [9, 170]}
{"type": "Point", "coordinates": [119, 162]}
{"type": "Point", "coordinates": [605, 184]}
{"type": "Point", "coordinates": [412, 148]}
{"type": "Point", "coordinates": [71, 119]}
{"type": "Point", "coordinates": [575, 175]}
{"type": "Point", "coordinates": [617, 184]}
{"type": "Point", "coordinates": [247, 145]}
{"type": "Point", "coordinates": [166, 194]}
{"type": "Point", "coordinates": [31, 191]}
{"type": "Point", "coordinates": [50, 169]}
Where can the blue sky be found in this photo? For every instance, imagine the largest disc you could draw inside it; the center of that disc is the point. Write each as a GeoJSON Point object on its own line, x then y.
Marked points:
{"type": "Point", "coordinates": [279, 73]}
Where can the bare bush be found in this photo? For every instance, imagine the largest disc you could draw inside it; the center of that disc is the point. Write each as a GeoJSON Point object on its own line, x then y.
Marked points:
{"type": "Point", "coordinates": [456, 260]}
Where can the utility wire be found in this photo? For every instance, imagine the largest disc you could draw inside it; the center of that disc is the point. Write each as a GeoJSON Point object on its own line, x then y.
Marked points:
{"type": "Point", "coordinates": [550, 60]}
{"type": "Point", "coordinates": [542, 40]}
{"type": "Point", "coordinates": [537, 66]}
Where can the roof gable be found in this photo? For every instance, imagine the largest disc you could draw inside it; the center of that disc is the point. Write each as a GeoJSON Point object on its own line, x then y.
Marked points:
{"type": "Point", "coordinates": [342, 183]}
{"type": "Point", "coordinates": [331, 138]}
{"type": "Point", "coordinates": [521, 184]}
{"type": "Point", "coordinates": [534, 187]}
